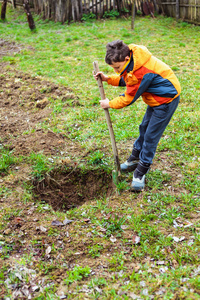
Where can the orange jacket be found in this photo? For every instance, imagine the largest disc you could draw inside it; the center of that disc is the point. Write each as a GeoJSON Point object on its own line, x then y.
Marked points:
{"type": "Point", "coordinates": [145, 76]}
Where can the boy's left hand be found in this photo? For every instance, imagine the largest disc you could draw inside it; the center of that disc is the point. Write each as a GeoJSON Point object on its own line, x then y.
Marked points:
{"type": "Point", "coordinates": [104, 103]}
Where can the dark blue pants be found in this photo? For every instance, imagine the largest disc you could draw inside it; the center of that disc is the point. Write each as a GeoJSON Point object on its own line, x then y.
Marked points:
{"type": "Point", "coordinates": [152, 127]}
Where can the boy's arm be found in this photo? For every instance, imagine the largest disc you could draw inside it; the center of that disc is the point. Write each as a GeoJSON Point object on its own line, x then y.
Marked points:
{"type": "Point", "coordinates": [114, 80]}
{"type": "Point", "coordinates": [121, 101]}
{"type": "Point", "coordinates": [131, 94]}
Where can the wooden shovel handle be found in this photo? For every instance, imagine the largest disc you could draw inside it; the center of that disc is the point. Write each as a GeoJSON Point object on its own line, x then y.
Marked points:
{"type": "Point", "coordinates": [108, 119]}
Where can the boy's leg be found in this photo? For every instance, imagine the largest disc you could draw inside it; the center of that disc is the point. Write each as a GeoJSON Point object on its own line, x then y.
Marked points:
{"type": "Point", "coordinates": [138, 144]}
{"type": "Point", "coordinates": [159, 120]}
{"type": "Point", "coordinates": [132, 161]}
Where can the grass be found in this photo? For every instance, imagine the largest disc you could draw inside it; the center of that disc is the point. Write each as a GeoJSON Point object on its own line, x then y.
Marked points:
{"type": "Point", "coordinates": [6, 160]}
{"type": "Point", "coordinates": [95, 256]}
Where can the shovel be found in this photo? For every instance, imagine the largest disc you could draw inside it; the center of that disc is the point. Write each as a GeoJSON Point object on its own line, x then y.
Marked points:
{"type": "Point", "coordinates": [116, 171]}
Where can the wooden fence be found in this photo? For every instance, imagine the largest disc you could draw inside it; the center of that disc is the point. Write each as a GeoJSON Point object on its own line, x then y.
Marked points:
{"type": "Point", "coordinates": [68, 10]}
{"type": "Point", "coordinates": [186, 10]}
{"type": "Point", "coordinates": [73, 10]}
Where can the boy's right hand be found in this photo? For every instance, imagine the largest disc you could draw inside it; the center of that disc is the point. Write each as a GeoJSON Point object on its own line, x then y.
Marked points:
{"type": "Point", "coordinates": [100, 74]}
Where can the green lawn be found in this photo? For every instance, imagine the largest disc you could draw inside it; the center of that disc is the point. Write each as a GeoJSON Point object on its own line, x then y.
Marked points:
{"type": "Point", "coordinates": [119, 245]}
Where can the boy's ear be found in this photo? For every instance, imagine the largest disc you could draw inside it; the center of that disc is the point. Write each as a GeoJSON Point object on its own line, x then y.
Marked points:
{"type": "Point", "coordinates": [127, 58]}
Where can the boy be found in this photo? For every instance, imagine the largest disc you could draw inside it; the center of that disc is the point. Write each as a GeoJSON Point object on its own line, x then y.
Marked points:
{"type": "Point", "coordinates": [146, 76]}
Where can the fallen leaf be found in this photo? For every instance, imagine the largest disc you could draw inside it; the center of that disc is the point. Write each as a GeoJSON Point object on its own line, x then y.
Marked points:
{"type": "Point", "coordinates": [163, 269]}
{"type": "Point", "coordinates": [188, 225]}
{"type": "Point", "coordinates": [17, 220]}
{"type": "Point", "coordinates": [176, 239]}
{"type": "Point", "coordinates": [86, 220]}
{"type": "Point", "coordinates": [48, 250]}
{"type": "Point", "coordinates": [137, 268]}
{"type": "Point", "coordinates": [66, 221]}
{"type": "Point", "coordinates": [136, 239]}
{"type": "Point", "coordinates": [174, 263]}
{"type": "Point", "coordinates": [103, 229]}
{"type": "Point", "coordinates": [7, 231]}
{"type": "Point", "coordinates": [56, 223]}
{"type": "Point", "coordinates": [190, 242]}
{"type": "Point", "coordinates": [124, 227]}
{"type": "Point", "coordinates": [42, 228]}
{"type": "Point", "coordinates": [142, 283]}
{"type": "Point", "coordinates": [160, 262]}
{"type": "Point", "coordinates": [134, 296]}
{"type": "Point", "coordinates": [98, 290]}
{"type": "Point", "coordinates": [145, 292]}
{"type": "Point", "coordinates": [113, 239]}
{"type": "Point", "coordinates": [18, 275]}
{"type": "Point", "coordinates": [35, 288]}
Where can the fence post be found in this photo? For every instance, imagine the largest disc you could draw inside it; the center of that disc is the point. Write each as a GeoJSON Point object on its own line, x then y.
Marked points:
{"type": "Point", "coordinates": [119, 6]}
{"type": "Point", "coordinates": [177, 10]}
{"type": "Point", "coordinates": [133, 14]}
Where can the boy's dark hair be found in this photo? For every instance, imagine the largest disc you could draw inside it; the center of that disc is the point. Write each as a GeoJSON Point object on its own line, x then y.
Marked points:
{"type": "Point", "coordinates": [116, 51]}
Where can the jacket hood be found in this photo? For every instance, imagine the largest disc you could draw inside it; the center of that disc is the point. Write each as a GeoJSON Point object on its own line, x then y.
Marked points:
{"type": "Point", "coordinates": [140, 55]}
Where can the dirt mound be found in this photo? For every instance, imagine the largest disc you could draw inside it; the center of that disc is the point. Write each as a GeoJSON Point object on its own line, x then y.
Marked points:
{"type": "Point", "coordinates": [24, 103]}
{"type": "Point", "coordinates": [8, 48]}
{"type": "Point", "coordinates": [72, 187]}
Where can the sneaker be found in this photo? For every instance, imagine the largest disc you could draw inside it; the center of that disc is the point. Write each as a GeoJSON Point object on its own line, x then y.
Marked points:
{"type": "Point", "coordinates": [138, 184]}
{"type": "Point", "coordinates": [130, 164]}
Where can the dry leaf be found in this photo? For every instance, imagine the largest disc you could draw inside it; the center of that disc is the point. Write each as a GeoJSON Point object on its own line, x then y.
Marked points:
{"type": "Point", "coordinates": [66, 221]}
{"type": "Point", "coordinates": [48, 250]}
{"type": "Point", "coordinates": [176, 239]}
{"type": "Point", "coordinates": [56, 223]}
{"type": "Point", "coordinates": [136, 239]}
{"type": "Point", "coordinates": [134, 296]}
{"type": "Point", "coordinates": [86, 220]}
{"type": "Point", "coordinates": [124, 227]}
{"type": "Point", "coordinates": [113, 239]}
{"type": "Point", "coordinates": [42, 228]}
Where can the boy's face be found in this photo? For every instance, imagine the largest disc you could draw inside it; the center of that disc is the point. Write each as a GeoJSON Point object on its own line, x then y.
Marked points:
{"type": "Point", "coordinates": [118, 66]}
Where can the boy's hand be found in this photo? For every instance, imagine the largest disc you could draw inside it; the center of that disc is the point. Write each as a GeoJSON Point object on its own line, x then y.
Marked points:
{"type": "Point", "coordinates": [104, 103]}
{"type": "Point", "coordinates": [100, 74]}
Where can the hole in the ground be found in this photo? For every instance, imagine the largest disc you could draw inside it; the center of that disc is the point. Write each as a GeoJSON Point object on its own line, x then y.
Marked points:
{"type": "Point", "coordinates": [67, 189]}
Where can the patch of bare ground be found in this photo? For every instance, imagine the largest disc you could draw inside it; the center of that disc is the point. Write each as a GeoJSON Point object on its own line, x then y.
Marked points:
{"type": "Point", "coordinates": [23, 105]}
{"type": "Point", "coordinates": [8, 48]}
{"type": "Point", "coordinates": [65, 189]}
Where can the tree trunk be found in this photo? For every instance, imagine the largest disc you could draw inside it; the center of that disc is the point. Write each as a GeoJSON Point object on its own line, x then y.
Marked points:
{"type": "Point", "coordinates": [29, 15]}
{"type": "Point", "coordinates": [3, 10]}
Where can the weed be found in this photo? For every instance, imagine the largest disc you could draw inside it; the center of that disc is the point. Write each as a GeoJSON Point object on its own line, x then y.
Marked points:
{"type": "Point", "coordinates": [122, 185]}
{"type": "Point", "coordinates": [6, 160]}
{"type": "Point", "coordinates": [40, 165]}
{"type": "Point", "coordinates": [96, 158]}
{"type": "Point", "coordinates": [98, 282]}
{"type": "Point", "coordinates": [116, 262]}
{"type": "Point", "coordinates": [94, 250]}
{"type": "Point", "coordinates": [88, 17]}
{"type": "Point", "coordinates": [113, 224]}
{"type": "Point", "coordinates": [111, 14]}
{"type": "Point", "coordinates": [77, 274]}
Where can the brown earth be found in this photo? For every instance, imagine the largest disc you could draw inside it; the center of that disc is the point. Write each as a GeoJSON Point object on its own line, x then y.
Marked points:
{"type": "Point", "coordinates": [24, 105]}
